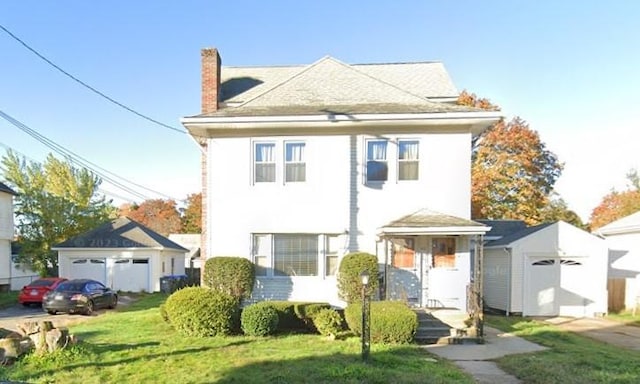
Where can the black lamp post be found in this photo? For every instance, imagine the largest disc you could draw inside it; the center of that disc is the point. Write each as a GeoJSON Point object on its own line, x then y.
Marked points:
{"type": "Point", "coordinates": [366, 312]}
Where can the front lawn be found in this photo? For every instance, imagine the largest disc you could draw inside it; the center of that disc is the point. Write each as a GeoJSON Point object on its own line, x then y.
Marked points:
{"type": "Point", "coordinates": [135, 345]}
{"type": "Point", "coordinates": [8, 299]}
{"type": "Point", "coordinates": [570, 359]}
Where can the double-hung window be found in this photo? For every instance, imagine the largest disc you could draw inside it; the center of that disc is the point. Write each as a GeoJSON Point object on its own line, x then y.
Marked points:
{"type": "Point", "coordinates": [264, 163]}
{"type": "Point", "coordinates": [332, 252]}
{"type": "Point", "coordinates": [294, 162]}
{"type": "Point", "coordinates": [408, 159]}
{"type": "Point", "coordinates": [377, 167]}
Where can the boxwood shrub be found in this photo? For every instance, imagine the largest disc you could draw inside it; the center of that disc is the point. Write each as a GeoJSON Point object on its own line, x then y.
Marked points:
{"type": "Point", "coordinates": [349, 280]}
{"type": "Point", "coordinates": [259, 320]}
{"type": "Point", "coordinates": [234, 276]}
{"type": "Point", "coordinates": [200, 311]}
{"type": "Point", "coordinates": [392, 322]}
{"type": "Point", "coordinates": [295, 316]}
{"type": "Point", "coordinates": [328, 322]}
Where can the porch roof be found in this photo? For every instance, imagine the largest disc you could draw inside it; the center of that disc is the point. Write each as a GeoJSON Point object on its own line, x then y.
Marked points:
{"type": "Point", "coordinates": [427, 222]}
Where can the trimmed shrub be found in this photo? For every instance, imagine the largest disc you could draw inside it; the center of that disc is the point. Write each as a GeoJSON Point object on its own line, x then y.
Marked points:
{"type": "Point", "coordinates": [259, 320]}
{"type": "Point", "coordinates": [234, 276]}
{"type": "Point", "coordinates": [328, 322]}
{"type": "Point", "coordinates": [392, 322]}
{"type": "Point", "coordinates": [199, 311]}
{"type": "Point", "coordinates": [295, 316]}
{"type": "Point", "coordinates": [349, 281]}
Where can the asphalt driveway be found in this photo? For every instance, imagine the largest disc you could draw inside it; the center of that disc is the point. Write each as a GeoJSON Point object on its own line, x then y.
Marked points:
{"type": "Point", "coordinates": [12, 316]}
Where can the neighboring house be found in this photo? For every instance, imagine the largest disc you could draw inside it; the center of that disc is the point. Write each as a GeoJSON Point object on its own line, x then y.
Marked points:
{"type": "Point", "coordinates": [304, 164]}
{"type": "Point", "coordinates": [20, 274]}
{"type": "Point", "coordinates": [623, 238]}
{"type": "Point", "coordinates": [121, 254]}
{"type": "Point", "coordinates": [553, 269]}
{"type": "Point", "coordinates": [6, 235]}
{"type": "Point", "coordinates": [191, 242]}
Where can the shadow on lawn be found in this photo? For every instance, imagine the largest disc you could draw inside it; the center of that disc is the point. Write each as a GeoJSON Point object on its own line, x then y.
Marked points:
{"type": "Point", "coordinates": [401, 364]}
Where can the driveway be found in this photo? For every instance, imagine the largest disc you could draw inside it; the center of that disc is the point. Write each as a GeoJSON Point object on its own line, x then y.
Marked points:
{"type": "Point", "coordinates": [607, 331]}
{"type": "Point", "coordinates": [12, 316]}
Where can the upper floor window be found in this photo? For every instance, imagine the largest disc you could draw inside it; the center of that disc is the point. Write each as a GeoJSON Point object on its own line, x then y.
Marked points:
{"type": "Point", "coordinates": [408, 159]}
{"type": "Point", "coordinates": [377, 168]}
{"type": "Point", "coordinates": [294, 160]}
{"type": "Point", "coordinates": [265, 163]}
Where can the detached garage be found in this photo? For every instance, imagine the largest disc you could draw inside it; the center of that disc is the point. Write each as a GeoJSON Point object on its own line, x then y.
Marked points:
{"type": "Point", "coordinates": [551, 269]}
{"type": "Point", "coordinates": [122, 254]}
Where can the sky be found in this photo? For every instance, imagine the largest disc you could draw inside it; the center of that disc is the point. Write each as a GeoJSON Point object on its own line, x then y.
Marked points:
{"type": "Point", "coordinates": [570, 69]}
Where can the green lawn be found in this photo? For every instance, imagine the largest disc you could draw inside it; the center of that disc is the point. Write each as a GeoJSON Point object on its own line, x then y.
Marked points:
{"type": "Point", "coordinates": [135, 346]}
{"type": "Point", "coordinates": [570, 359]}
{"type": "Point", "coordinates": [626, 317]}
{"type": "Point", "coordinates": [8, 299]}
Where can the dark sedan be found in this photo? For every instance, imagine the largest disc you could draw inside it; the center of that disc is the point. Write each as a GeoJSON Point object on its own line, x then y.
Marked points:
{"type": "Point", "coordinates": [79, 296]}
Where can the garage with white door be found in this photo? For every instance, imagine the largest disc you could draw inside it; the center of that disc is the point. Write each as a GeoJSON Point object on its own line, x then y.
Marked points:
{"type": "Point", "coordinates": [123, 255]}
{"type": "Point", "coordinates": [553, 269]}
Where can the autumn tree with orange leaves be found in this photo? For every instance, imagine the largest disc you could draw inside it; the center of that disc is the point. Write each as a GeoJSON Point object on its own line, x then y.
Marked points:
{"type": "Point", "coordinates": [192, 214]}
{"type": "Point", "coordinates": [159, 215]}
{"type": "Point", "coordinates": [513, 173]}
{"type": "Point", "coordinates": [617, 205]}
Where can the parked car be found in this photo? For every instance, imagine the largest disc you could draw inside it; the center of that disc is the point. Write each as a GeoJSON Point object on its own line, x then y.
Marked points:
{"type": "Point", "coordinates": [79, 296]}
{"type": "Point", "coordinates": [33, 293]}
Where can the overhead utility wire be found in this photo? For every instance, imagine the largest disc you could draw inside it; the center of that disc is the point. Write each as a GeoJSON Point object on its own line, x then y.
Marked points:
{"type": "Point", "coordinates": [80, 160]}
{"type": "Point", "coordinates": [106, 192]}
{"type": "Point", "coordinates": [88, 86]}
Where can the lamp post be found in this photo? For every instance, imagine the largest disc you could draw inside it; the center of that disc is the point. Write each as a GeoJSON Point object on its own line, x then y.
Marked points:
{"type": "Point", "coordinates": [366, 311]}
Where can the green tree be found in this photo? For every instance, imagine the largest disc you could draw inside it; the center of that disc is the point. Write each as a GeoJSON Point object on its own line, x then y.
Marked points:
{"type": "Point", "coordinates": [192, 215]}
{"type": "Point", "coordinates": [55, 201]}
{"type": "Point", "coordinates": [557, 209]}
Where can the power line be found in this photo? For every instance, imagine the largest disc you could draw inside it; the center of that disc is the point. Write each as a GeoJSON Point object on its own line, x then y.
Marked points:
{"type": "Point", "coordinates": [75, 158]}
{"type": "Point", "coordinates": [94, 90]}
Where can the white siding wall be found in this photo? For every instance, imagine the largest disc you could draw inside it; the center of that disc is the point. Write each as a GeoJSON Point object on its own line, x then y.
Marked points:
{"type": "Point", "coordinates": [496, 278]}
{"type": "Point", "coordinates": [334, 199]}
{"type": "Point", "coordinates": [6, 235]}
{"type": "Point", "coordinates": [624, 254]}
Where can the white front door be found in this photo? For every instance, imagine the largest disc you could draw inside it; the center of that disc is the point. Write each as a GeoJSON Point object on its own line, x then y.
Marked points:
{"type": "Point", "coordinates": [445, 281]}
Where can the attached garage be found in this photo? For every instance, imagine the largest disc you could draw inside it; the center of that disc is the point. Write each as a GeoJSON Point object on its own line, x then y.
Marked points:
{"type": "Point", "coordinates": [553, 269]}
{"type": "Point", "coordinates": [123, 255]}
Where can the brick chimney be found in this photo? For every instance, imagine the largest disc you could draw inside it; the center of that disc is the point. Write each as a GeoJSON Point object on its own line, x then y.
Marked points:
{"type": "Point", "coordinates": [210, 80]}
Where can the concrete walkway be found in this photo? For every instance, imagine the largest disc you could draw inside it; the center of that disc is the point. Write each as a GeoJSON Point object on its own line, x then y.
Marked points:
{"type": "Point", "coordinates": [607, 331]}
{"type": "Point", "coordinates": [473, 358]}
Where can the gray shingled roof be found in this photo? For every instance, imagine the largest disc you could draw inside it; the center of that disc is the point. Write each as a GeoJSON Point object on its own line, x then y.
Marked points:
{"type": "Point", "coordinates": [6, 189]}
{"type": "Point", "coordinates": [517, 235]}
{"type": "Point", "coordinates": [331, 86]}
{"type": "Point", "coordinates": [428, 218]}
{"type": "Point", "coordinates": [121, 233]}
{"type": "Point", "coordinates": [502, 228]}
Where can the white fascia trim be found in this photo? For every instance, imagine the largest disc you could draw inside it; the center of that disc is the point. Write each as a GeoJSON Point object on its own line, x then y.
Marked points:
{"type": "Point", "coordinates": [434, 231]}
{"type": "Point", "coordinates": [619, 231]}
{"type": "Point", "coordinates": [332, 118]}
{"type": "Point", "coordinates": [110, 250]}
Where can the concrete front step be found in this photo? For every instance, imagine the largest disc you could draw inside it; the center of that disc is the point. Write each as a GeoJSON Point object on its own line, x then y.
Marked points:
{"type": "Point", "coordinates": [442, 327]}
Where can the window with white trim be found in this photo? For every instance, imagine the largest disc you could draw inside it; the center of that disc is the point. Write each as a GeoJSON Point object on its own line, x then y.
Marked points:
{"type": "Point", "coordinates": [286, 254]}
{"type": "Point", "coordinates": [377, 167]}
{"type": "Point", "coordinates": [294, 162]}
{"type": "Point", "coordinates": [332, 254]}
{"type": "Point", "coordinates": [264, 162]}
{"type": "Point", "coordinates": [408, 159]}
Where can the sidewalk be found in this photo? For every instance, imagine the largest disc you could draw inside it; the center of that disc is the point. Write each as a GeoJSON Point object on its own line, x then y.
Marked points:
{"type": "Point", "coordinates": [473, 358]}
{"type": "Point", "coordinates": [607, 331]}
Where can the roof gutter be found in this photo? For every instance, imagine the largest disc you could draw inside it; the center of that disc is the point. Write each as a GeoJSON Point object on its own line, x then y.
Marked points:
{"type": "Point", "coordinates": [412, 231]}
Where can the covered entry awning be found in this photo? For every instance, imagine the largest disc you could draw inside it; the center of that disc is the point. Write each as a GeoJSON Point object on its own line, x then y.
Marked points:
{"type": "Point", "coordinates": [428, 222]}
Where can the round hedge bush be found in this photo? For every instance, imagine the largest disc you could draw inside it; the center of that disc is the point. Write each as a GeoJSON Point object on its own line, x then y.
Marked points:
{"type": "Point", "coordinates": [349, 280]}
{"type": "Point", "coordinates": [201, 312]}
{"type": "Point", "coordinates": [392, 322]}
{"type": "Point", "coordinates": [328, 322]}
{"type": "Point", "coordinates": [259, 320]}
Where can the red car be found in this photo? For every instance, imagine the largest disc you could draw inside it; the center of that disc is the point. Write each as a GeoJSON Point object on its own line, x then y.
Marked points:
{"type": "Point", "coordinates": [32, 293]}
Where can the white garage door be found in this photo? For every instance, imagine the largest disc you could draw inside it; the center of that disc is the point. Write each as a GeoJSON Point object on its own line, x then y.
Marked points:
{"type": "Point", "coordinates": [554, 287]}
{"type": "Point", "coordinates": [95, 269]}
{"type": "Point", "coordinates": [131, 275]}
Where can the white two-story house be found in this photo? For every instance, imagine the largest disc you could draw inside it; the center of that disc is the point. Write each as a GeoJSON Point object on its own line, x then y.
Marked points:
{"type": "Point", "coordinates": [304, 164]}
{"type": "Point", "coordinates": [6, 235]}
